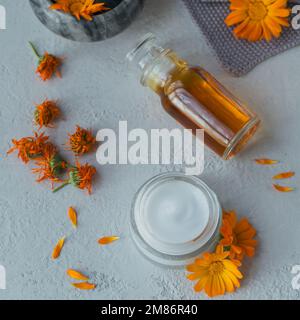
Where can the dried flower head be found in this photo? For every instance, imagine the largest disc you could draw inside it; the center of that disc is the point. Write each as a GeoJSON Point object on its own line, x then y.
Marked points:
{"type": "Point", "coordinates": [81, 142]}
{"type": "Point", "coordinates": [46, 113]}
{"type": "Point", "coordinates": [29, 148]}
{"type": "Point", "coordinates": [215, 272]}
{"type": "Point", "coordinates": [80, 177]}
{"type": "Point", "coordinates": [50, 166]}
{"type": "Point", "coordinates": [238, 236]}
{"type": "Point", "coordinates": [80, 8]}
{"type": "Point", "coordinates": [258, 19]}
{"type": "Point", "coordinates": [48, 65]}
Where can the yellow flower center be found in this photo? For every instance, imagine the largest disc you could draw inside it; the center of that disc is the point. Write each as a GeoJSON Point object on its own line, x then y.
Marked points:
{"type": "Point", "coordinates": [216, 268]}
{"type": "Point", "coordinates": [257, 10]}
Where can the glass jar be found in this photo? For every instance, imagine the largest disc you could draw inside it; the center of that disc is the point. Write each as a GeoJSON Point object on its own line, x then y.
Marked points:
{"type": "Point", "coordinates": [175, 218]}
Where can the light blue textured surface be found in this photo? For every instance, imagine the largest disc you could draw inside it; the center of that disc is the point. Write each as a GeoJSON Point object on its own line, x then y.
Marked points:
{"type": "Point", "coordinates": [97, 90]}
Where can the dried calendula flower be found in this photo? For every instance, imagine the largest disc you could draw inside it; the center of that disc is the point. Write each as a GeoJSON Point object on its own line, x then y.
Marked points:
{"type": "Point", "coordinates": [46, 113]}
{"type": "Point", "coordinates": [48, 64]}
{"type": "Point", "coordinates": [80, 177]}
{"type": "Point", "coordinates": [51, 165]}
{"type": "Point", "coordinates": [58, 248]}
{"type": "Point", "coordinates": [266, 162]}
{"type": "Point", "coordinates": [108, 240]}
{"type": "Point", "coordinates": [76, 275]}
{"type": "Point", "coordinates": [284, 175]}
{"type": "Point", "coordinates": [29, 148]}
{"type": "Point", "coordinates": [81, 141]}
{"type": "Point", "coordinates": [84, 286]}
{"type": "Point", "coordinates": [282, 188]}
{"type": "Point", "coordinates": [80, 8]}
{"type": "Point", "coordinates": [73, 216]}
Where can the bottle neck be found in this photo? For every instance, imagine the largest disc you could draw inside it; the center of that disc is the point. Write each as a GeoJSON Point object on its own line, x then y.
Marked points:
{"type": "Point", "coordinates": [156, 74]}
{"type": "Point", "coordinates": [155, 62]}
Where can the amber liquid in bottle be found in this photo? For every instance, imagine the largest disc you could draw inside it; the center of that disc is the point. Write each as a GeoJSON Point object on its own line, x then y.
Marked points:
{"type": "Point", "coordinates": [196, 99]}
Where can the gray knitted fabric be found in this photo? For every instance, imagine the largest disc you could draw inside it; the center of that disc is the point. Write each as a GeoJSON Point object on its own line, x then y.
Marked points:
{"type": "Point", "coordinates": [236, 56]}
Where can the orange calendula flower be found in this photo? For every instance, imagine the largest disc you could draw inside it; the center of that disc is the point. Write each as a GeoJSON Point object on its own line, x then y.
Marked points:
{"type": "Point", "coordinates": [50, 166]}
{"type": "Point", "coordinates": [80, 177]}
{"type": "Point", "coordinates": [80, 8]}
{"type": "Point", "coordinates": [238, 236]}
{"type": "Point", "coordinates": [81, 142]}
{"type": "Point", "coordinates": [258, 19]}
{"type": "Point", "coordinates": [48, 65]}
{"type": "Point", "coordinates": [215, 272]}
{"type": "Point", "coordinates": [29, 148]}
{"type": "Point", "coordinates": [46, 113]}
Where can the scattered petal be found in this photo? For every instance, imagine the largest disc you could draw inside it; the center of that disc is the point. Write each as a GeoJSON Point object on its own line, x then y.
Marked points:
{"type": "Point", "coordinates": [284, 175]}
{"type": "Point", "coordinates": [73, 216]}
{"type": "Point", "coordinates": [76, 275]}
{"type": "Point", "coordinates": [282, 188]}
{"type": "Point", "coordinates": [58, 248]}
{"type": "Point", "coordinates": [107, 240]}
{"type": "Point", "coordinates": [266, 161]}
{"type": "Point", "coordinates": [84, 286]}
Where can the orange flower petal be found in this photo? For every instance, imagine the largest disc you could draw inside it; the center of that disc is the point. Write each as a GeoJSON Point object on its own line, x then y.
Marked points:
{"type": "Point", "coordinates": [266, 161]}
{"type": "Point", "coordinates": [284, 175]}
{"type": "Point", "coordinates": [107, 240]}
{"type": "Point", "coordinates": [84, 286]}
{"type": "Point", "coordinates": [58, 248]}
{"type": "Point", "coordinates": [73, 216]}
{"type": "Point", "coordinates": [76, 275]}
{"type": "Point", "coordinates": [283, 189]}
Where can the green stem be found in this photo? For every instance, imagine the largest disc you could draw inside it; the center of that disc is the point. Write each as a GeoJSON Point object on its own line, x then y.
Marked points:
{"type": "Point", "coordinates": [61, 186]}
{"type": "Point", "coordinates": [34, 50]}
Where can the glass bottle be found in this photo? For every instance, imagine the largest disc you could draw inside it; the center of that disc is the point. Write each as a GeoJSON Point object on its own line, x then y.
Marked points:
{"type": "Point", "coordinates": [195, 98]}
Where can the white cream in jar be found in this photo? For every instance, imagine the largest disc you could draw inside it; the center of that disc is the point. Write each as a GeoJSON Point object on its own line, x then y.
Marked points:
{"type": "Point", "coordinates": [175, 218]}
